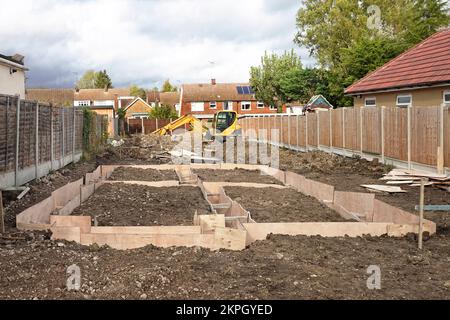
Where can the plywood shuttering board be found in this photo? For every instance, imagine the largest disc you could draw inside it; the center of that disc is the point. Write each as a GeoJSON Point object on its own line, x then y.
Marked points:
{"type": "Point", "coordinates": [424, 134]}
{"type": "Point", "coordinates": [312, 129]}
{"type": "Point", "coordinates": [337, 128]}
{"type": "Point", "coordinates": [8, 112]}
{"type": "Point", "coordinates": [396, 133]}
{"type": "Point", "coordinates": [352, 128]}
{"type": "Point", "coordinates": [447, 137]}
{"type": "Point", "coordinates": [324, 128]}
{"type": "Point", "coordinates": [45, 140]}
{"type": "Point", "coordinates": [27, 136]}
{"type": "Point", "coordinates": [371, 127]}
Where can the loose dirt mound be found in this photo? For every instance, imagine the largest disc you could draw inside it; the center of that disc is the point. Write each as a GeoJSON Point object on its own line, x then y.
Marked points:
{"type": "Point", "coordinates": [236, 175]}
{"type": "Point", "coordinates": [136, 174]}
{"type": "Point", "coordinates": [134, 205]}
{"type": "Point", "coordinates": [281, 267]}
{"type": "Point", "coordinates": [282, 205]}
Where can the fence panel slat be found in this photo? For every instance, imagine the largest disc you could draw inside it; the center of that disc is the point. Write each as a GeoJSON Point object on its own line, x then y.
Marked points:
{"type": "Point", "coordinates": [424, 134]}
{"type": "Point", "coordinates": [371, 127]}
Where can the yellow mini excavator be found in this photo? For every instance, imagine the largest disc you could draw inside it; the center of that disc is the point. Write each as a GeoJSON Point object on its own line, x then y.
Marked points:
{"type": "Point", "coordinates": [225, 124]}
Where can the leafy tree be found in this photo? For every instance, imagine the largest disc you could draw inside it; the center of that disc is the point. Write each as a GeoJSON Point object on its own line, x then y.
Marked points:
{"type": "Point", "coordinates": [168, 87]}
{"type": "Point", "coordinates": [163, 112]}
{"type": "Point", "coordinates": [102, 80]}
{"type": "Point", "coordinates": [87, 81]}
{"type": "Point", "coordinates": [301, 84]}
{"type": "Point", "coordinates": [135, 91]}
{"type": "Point", "coordinates": [266, 78]}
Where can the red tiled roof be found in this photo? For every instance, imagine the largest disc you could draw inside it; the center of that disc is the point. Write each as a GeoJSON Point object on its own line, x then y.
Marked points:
{"type": "Point", "coordinates": [427, 63]}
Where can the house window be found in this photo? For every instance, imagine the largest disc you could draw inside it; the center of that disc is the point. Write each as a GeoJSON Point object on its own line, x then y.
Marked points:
{"type": "Point", "coordinates": [404, 101]}
{"type": "Point", "coordinates": [85, 103]}
{"type": "Point", "coordinates": [273, 108]}
{"type": "Point", "coordinates": [370, 102]}
{"type": "Point", "coordinates": [260, 105]}
{"type": "Point", "coordinates": [245, 105]}
{"type": "Point", "coordinates": [447, 97]}
{"type": "Point", "coordinates": [213, 105]}
{"type": "Point", "coordinates": [197, 106]}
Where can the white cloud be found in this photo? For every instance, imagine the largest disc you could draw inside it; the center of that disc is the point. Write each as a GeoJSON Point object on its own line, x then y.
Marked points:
{"type": "Point", "coordinates": [145, 41]}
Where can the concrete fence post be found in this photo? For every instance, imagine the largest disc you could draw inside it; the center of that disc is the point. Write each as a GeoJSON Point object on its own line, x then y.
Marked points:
{"type": "Point", "coordinates": [409, 110]}
{"type": "Point", "coordinates": [36, 160]}
{"type": "Point", "coordinates": [17, 142]}
{"type": "Point", "coordinates": [383, 109]}
{"type": "Point", "coordinates": [142, 126]}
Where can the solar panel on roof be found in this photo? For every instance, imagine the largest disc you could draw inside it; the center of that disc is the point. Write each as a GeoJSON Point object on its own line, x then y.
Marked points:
{"type": "Point", "coordinates": [246, 90]}
{"type": "Point", "coordinates": [251, 90]}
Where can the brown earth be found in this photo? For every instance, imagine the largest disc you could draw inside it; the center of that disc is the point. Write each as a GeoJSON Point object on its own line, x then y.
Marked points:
{"type": "Point", "coordinates": [134, 205]}
{"type": "Point", "coordinates": [143, 151]}
{"type": "Point", "coordinates": [282, 205]}
{"type": "Point", "coordinates": [281, 267]}
{"type": "Point", "coordinates": [237, 175]}
{"type": "Point", "coordinates": [348, 174]}
{"type": "Point", "coordinates": [136, 174]}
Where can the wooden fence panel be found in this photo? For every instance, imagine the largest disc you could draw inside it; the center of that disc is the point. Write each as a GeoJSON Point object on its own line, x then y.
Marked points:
{"type": "Point", "coordinates": [284, 129]}
{"type": "Point", "coordinates": [424, 134]}
{"type": "Point", "coordinates": [312, 129]}
{"type": "Point", "coordinates": [338, 140]}
{"type": "Point", "coordinates": [324, 128]}
{"type": "Point", "coordinates": [27, 135]}
{"type": "Point", "coordinates": [293, 132]}
{"type": "Point", "coordinates": [302, 131]}
{"type": "Point", "coordinates": [447, 137]}
{"type": "Point", "coordinates": [352, 129]}
{"type": "Point", "coordinates": [371, 130]}
{"type": "Point", "coordinates": [8, 113]}
{"type": "Point", "coordinates": [396, 133]}
{"type": "Point", "coordinates": [45, 139]}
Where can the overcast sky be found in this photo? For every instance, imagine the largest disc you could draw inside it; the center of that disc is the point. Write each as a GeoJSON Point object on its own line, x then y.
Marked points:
{"type": "Point", "coordinates": [146, 41]}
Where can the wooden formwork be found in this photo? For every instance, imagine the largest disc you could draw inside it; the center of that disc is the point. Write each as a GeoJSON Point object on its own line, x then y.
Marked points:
{"type": "Point", "coordinates": [229, 226]}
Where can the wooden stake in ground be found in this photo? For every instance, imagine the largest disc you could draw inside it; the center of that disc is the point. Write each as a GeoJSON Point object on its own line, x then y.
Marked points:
{"type": "Point", "coordinates": [2, 216]}
{"type": "Point", "coordinates": [422, 200]}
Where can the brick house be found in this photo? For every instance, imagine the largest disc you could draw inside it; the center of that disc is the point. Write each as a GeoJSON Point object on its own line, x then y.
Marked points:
{"type": "Point", "coordinates": [164, 98]}
{"type": "Point", "coordinates": [104, 102]}
{"type": "Point", "coordinates": [138, 109]}
{"type": "Point", "coordinates": [204, 100]}
{"type": "Point", "coordinates": [419, 77]}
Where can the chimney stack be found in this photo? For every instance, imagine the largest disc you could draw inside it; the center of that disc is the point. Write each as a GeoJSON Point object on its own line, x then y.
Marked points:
{"type": "Point", "coordinates": [213, 82]}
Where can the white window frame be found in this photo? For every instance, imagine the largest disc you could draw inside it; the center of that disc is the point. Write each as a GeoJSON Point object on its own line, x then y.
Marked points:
{"type": "Point", "coordinates": [246, 103]}
{"type": "Point", "coordinates": [260, 105]}
{"type": "Point", "coordinates": [213, 103]}
{"type": "Point", "coordinates": [273, 108]}
{"type": "Point", "coordinates": [195, 106]}
{"type": "Point", "coordinates": [83, 103]}
{"type": "Point", "coordinates": [404, 105]}
{"type": "Point", "coordinates": [372, 105]}
{"type": "Point", "coordinates": [443, 97]}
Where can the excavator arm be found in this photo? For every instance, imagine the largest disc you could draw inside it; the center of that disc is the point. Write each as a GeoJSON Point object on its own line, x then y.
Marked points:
{"type": "Point", "coordinates": [190, 120]}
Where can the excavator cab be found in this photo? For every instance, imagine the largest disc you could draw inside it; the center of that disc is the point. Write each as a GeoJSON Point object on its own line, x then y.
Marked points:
{"type": "Point", "coordinates": [226, 124]}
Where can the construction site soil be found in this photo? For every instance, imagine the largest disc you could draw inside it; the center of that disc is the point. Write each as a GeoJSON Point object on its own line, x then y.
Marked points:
{"type": "Point", "coordinates": [282, 205]}
{"type": "Point", "coordinates": [136, 174]}
{"type": "Point", "coordinates": [348, 174]}
{"type": "Point", "coordinates": [121, 204]}
{"type": "Point", "coordinates": [281, 267]}
{"type": "Point", "coordinates": [236, 175]}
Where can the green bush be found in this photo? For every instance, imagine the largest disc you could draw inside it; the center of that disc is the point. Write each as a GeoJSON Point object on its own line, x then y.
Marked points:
{"type": "Point", "coordinates": [163, 112]}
